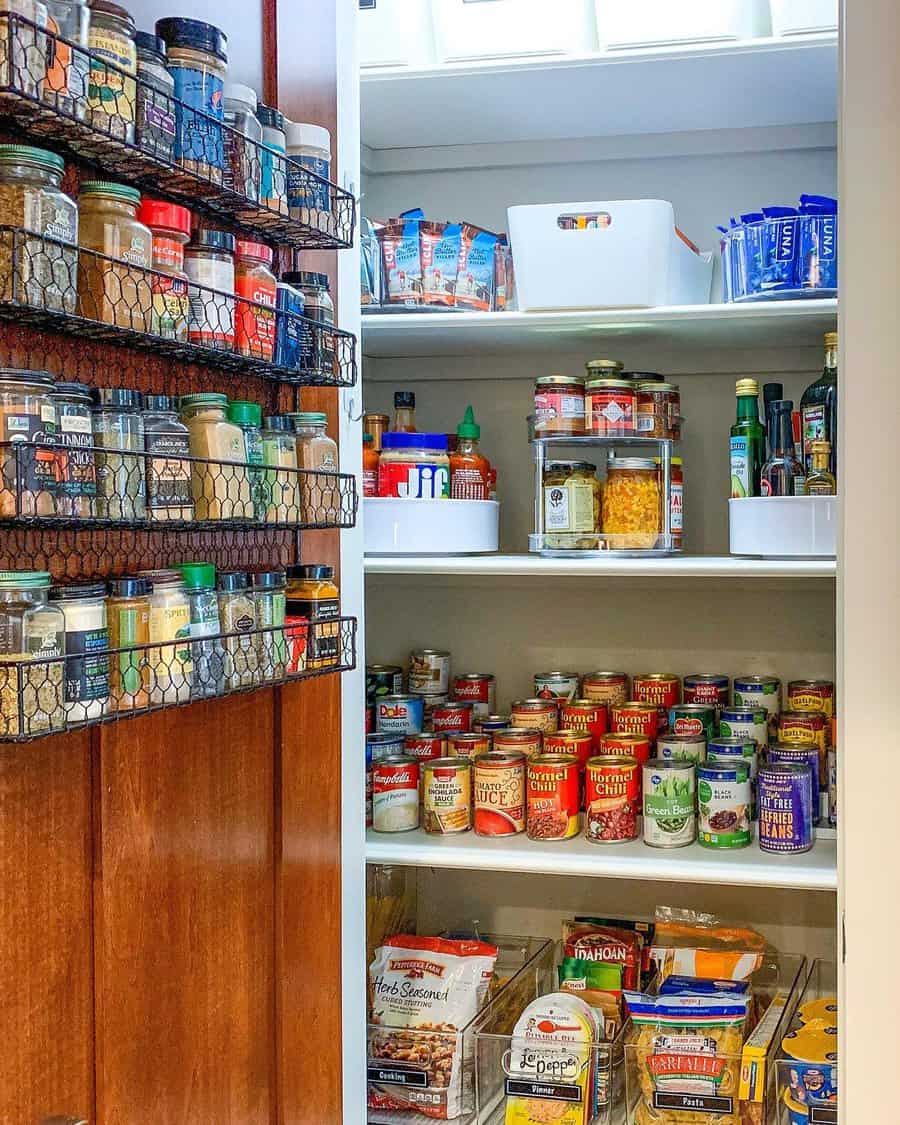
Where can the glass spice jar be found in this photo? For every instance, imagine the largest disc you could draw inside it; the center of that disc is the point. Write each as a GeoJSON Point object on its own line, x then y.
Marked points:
{"type": "Point", "coordinates": [209, 263]}
{"type": "Point", "coordinates": [317, 346]}
{"type": "Point", "coordinates": [320, 499]}
{"type": "Point", "coordinates": [237, 614]}
{"type": "Point", "coordinates": [254, 329]}
{"type": "Point", "coordinates": [170, 665]}
{"type": "Point", "coordinates": [76, 485]}
{"type": "Point", "coordinates": [313, 596]}
{"type": "Point", "coordinates": [207, 653]}
{"type": "Point", "coordinates": [128, 617]}
{"type": "Point", "coordinates": [66, 84]}
{"type": "Point", "coordinates": [112, 95]}
{"type": "Point", "coordinates": [270, 599]}
{"type": "Point", "coordinates": [119, 431]}
{"type": "Point", "coordinates": [248, 416]}
{"type": "Point", "coordinates": [166, 438]}
{"type": "Point", "coordinates": [658, 410]}
{"type": "Point", "coordinates": [221, 490]}
{"type": "Point", "coordinates": [23, 51]}
{"type": "Point", "coordinates": [155, 98]}
{"type": "Point", "coordinates": [559, 404]}
{"type": "Point", "coordinates": [170, 229]}
{"type": "Point", "coordinates": [273, 166]}
{"type": "Point", "coordinates": [119, 291]}
{"type": "Point", "coordinates": [243, 140]}
{"type": "Point", "coordinates": [87, 649]}
{"type": "Point", "coordinates": [309, 151]}
{"type": "Point", "coordinates": [280, 453]}
{"type": "Point", "coordinates": [571, 505]}
{"type": "Point", "coordinates": [32, 639]}
{"type": "Point", "coordinates": [27, 417]}
{"type": "Point", "coordinates": [631, 503]}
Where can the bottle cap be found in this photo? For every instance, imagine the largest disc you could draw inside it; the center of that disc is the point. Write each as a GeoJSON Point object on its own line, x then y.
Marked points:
{"type": "Point", "coordinates": [205, 239]}
{"type": "Point", "coordinates": [15, 153]}
{"type": "Point", "coordinates": [72, 390]}
{"type": "Point", "coordinates": [468, 427]}
{"type": "Point", "coordinates": [269, 117]}
{"type": "Point", "coordinates": [268, 579]}
{"type": "Point", "coordinates": [206, 398]}
{"type": "Point", "coordinates": [300, 134]}
{"type": "Point", "coordinates": [404, 400]}
{"type": "Point", "coordinates": [308, 418]}
{"type": "Point", "coordinates": [165, 404]}
{"type": "Point", "coordinates": [245, 249]}
{"type": "Point", "coordinates": [245, 413]}
{"type": "Point", "coordinates": [162, 215]}
{"type": "Point", "coordinates": [435, 442]}
{"type": "Point", "coordinates": [747, 387]}
{"type": "Point", "coordinates": [129, 588]}
{"type": "Point", "coordinates": [306, 279]}
{"type": "Point", "coordinates": [238, 92]}
{"type": "Point", "coordinates": [161, 577]}
{"type": "Point", "coordinates": [316, 572]}
{"type": "Point", "coordinates": [831, 339]}
{"type": "Point", "coordinates": [232, 581]}
{"type": "Point", "coordinates": [782, 405]}
{"type": "Point", "coordinates": [31, 579]}
{"type": "Point", "coordinates": [152, 44]}
{"type": "Point", "coordinates": [193, 34]}
{"type": "Point", "coordinates": [72, 593]}
{"type": "Point", "coordinates": [279, 422]}
{"type": "Point", "coordinates": [116, 397]}
{"type": "Point", "coordinates": [116, 191]}
{"type": "Point", "coordinates": [198, 575]}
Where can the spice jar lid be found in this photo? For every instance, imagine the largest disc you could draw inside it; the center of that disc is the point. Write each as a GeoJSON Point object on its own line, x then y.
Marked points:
{"type": "Point", "coordinates": [279, 422]}
{"type": "Point", "coordinates": [116, 396]}
{"type": "Point", "coordinates": [653, 385]}
{"type": "Point", "coordinates": [128, 587]}
{"type": "Point", "coordinates": [309, 418]}
{"type": "Point", "coordinates": [599, 365]}
{"type": "Point", "coordinates": [560, 380]}
{"type": "Point", "coordinates": [746, 387]}
{"type": "Point", "coordinates": [569, 466]}
{"type": "Point", "coordinates": [642, 376]}
{"type": "Point", "coordinates": [165, 216]}
{"type": "Point", "coordinates": [306, 279]}
{"type": "Point", "coordinates": [207, 398]}
{"type": "Point", "coordinates": [164, 403]}
{"type": "Point", "coordinates": [162, 577]}
{"type": "Point", "coordinates": [41, 379]}
{"type": "Point", "coordinates": [115, 191]}
{"type": "Point", "coordinates": [631, 463]}
{"type": "Point", "coordinates": [246, 249]}
{"type": "Point", "coordinates": [312, 571]}
{"type": "Point", "coordinates": [107, 8]}
{"type": "Point", "coordinates": [152, 44]}
{"type": "Point", "coordinates": [436, 442]}
{"type": "Point", "coordinates": [14, 154]}
{"type": "Point", "coordinates": [84, 592]}
{"type": "Point", "coordinates": [245, 413]}
{"type": "Point", "coordinates": [270, 117]}
{"type": "Point", "coordinates": [198, 575]}
{"type": "Point", "coordinates": [605, 381]}
{"type": "Point", "coordinates": [404, 400]}
{"type": "Point", "coordinates": [268, 579]}
{"type": "Point", "coordinates": [28, 579]}
{"type": "Point", "coordinates": [231, 581]}
{"type": "Point", "coordinates": [300, 134]}
{"type": "Point", "coordinates": [71, 390]}
{"type": "Point", "coordinates": [201, 36]}
{"type": "Point", "coordinates": [205, 239]}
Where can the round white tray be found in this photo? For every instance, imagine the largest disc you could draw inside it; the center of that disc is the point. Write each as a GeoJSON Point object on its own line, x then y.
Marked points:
{"type": "Point", "coordinates": [430, 527]}
{"type": "Point", "coordinates": [787, 527]}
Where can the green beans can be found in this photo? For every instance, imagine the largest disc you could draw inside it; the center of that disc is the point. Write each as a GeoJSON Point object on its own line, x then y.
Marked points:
{"type": "Point", "coordinates": [723, 800]}
{"type": "Point", "coordinates": [682, 747]}
{"type": "Point", "coordinates": [670, 820]}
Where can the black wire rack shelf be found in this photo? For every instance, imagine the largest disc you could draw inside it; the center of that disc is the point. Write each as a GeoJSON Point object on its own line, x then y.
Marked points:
{"type": "Point", "coordinates": [49, 283]}
{"type": "Point", "coordinates": [53, 90]}
{"type": "Point", "coordinates": [41, 697]}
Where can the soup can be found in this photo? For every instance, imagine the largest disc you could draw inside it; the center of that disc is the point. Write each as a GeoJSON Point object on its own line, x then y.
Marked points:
{"type": "Point", "coordinates": [488, 723]}
{"type": "Point", "coordinates": [577, 743]}
{"type": "Point", "coordinates": [425, 747]}
{"type": "Point", "coordinates": [585, 715]}
{"type": "Point", "coordinates": [467, 744]}
{"type": "Point", "coordinates": [429, 702]}
{"type": "Point", "coordinates": [811, 695]}
{"type": "Point", "coordinates": [400, 714]}
{"type": "Point", "coordinates": [612, 799]}
{"type": "Point", "coordinates": [725, 805]}
{"type": "Point", "coordinates": [452, 717]}
{"type": "Point", "coordinates": [523, 739]}
{"type": "Point", "coordinates": [681, 747]}
{"type": "Point", "coordinates": [552, 797]}
{"type": "Point", "coordinates": [536, 714]}
{"type": "Point", "coordinates": [807, 726]}
{"type": "Point", "coordinates": [557, 685]}
{"type": "Point", "coordinates": [669, 803]}
{"type": "Point", "coordinates": [626, 745]}
{"type": "Point", "coordinates": [707, 687]}
{"type": "Point", "coordinates": [760, 692]}
{"type": "Point", "coordinates": [804, 754]}
{"type": "Point", "coordinates": [635, 718]}
{"type": "Point", "coordinates": [395, 794]}
{"type": "Point", "coordinates": [745, 722]}
{"type": "Point", "coordinates": [383, 679]}
{"type": "Point", "coordinates": [662, 689]}
{"type": "Point", "coordinates": [429, 671]}
{"type": "Point", "coordinates": [499, 794]}
{"type": "Point", "coordinates": [698, 719]}
{"type": "Point", "coordinates": [384, 745]}
{"type": "Point", "coordinates": [610, 688]}
{"type": "Point", "coordinates": [477, 688]}
{"type": "Point", "coordinates": [447, 796]}
{"type": "Point", "coordinates": [784, 793]}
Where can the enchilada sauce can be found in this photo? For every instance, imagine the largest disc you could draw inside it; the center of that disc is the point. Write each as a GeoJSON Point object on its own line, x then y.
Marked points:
{"type": "Point", "coordinates": [553, 797]}
{"type": "Point", "coordinates": [784, 793]}
{"type": "Point", "coordinates": [447, 796]}
{"type": "Point", "coordinates": [588, 715]}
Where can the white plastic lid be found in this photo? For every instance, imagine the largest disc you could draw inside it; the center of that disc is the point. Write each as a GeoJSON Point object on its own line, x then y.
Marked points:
{"type": "Point", "coordinates": [299, 134]}
{"type": "Point", "coordinates": [237, 92]}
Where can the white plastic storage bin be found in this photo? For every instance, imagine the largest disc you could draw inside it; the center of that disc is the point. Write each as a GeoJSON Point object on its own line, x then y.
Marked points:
{"type": "Point", "coordinates": [430, 527]}
{"type": "Point", "coordinates": [395, 33]}
{"type": "Point", "coordinates": [652, 23]}
{"type": "Point", "coordinates": [786, 527]}
{"type": "Point", "coordinates": [615, 254]}
{"type": "Point", "coordinates": [494, 29]}
{"type": "Point", "coordinates": [802, 17]}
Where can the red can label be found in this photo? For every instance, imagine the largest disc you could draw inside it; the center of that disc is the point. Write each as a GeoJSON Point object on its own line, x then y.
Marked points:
{"type": "Point", "coordinates": [467, 745]}
{"type": "Point", "coordinates": [610, 688]}
{"type": "Point", "coordinates": [636, 718]}
{"type": "Point", "coordinates": [610, 410]}
{"type": "Point", "coordinates": [661, 690]}
{"type": "Point", "coordinates": [254, 327]}
{"type": "Point", "coordinates": [424, 747]}
{"type": "Point", "coordinates": [612, 799]}
{"type": "Point", "coordinates": [580, 715]}
{"type": "Point", "coordinates": [477, 689]}
{"type": "Point", "coordinates": [414, 480]}
{"type": "Point", "coordinates": [712, 691]}
{"type": "Point", "coordinates": [577, 743]}
{"type": "Point", "coordinates": [811, 695]}
{"type": "Point", "coordinates": [500, 795]}
{"type": "Point", "coordinates": [626, 745]}
{"type": "Point", "coordinates": [553, 798]}
{"type": "Point", "coordinates": [523, 740]}
{"type": "Point", "coordinates": [452, 717]}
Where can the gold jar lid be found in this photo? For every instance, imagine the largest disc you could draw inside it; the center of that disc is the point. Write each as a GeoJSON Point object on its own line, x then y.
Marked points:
{"type": "Point", "coordinates": [607, 382]}
{"type": "Point", "coordinates": [597, 366]}
{"type": "Point", "coordinates": [557, 380]}
{"type": "Point", "coordinates": [747, 387]}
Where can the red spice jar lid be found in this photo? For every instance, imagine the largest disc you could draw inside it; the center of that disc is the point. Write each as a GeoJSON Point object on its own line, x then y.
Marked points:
{"type": "Point", "coordinates": [253, 250]}
{"type": "Point", "coordinates": [159, 214]}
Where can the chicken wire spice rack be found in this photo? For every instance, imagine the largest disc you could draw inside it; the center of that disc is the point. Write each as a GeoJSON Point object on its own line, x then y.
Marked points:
{"type": "Point", "coordinates": [47, 283]}
{"type": "Point", "coordinates": [35, 694]}
{"type": "Point", "coordinates": [44, 103]}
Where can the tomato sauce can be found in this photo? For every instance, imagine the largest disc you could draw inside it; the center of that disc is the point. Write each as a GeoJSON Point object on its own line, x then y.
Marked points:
{"type": "Point", "coordinates": [807, 726]}
{"type": "Point", "coordinates": [383, 679]}
{"type": "Point", "coordinates": [536, 714]}
{"type": "Point", "coordinates": [452, 717]}
{"type": "Point", "coordinates": [557, 685]}
{"type": "Point", "coordinates": [525, 740]}
{"type": "Point", "coordinates": [400, 714]}
{"type": "Point", "coordinates": [725, 804]}
{"type": "Point", "coordinates": [395, 794]}
{"type": "Point", "coordinates": [429, 671]}
{"type": "Point", "coordinates": [610, 688]}
{"type": "Point", "coordinates": [585, 715]}
{"type": "Point", "coordinates": [384, 745]}
{"type": "Point", "coordinates": [785, 808]}
{"type": "Point", "coordinates": [488, 723]}
{"type": "Point", "coordinates": [612, 799]}
{"type": "Point", "coordinates": [626, 745]}
{"type": "Point", "coordinates": [663, 689]}
{"type": "Point", "coordinates": [553, 797]}
{"type": "Point", "coordinates": [707, 687]}
{"type": "Point", "coordinates": [811, 695]}
{"type": "Point", "coordinates": [499, 794]}
{"type": "Point", "coordinates": [681, 747]}
{"type": "Point", "coordinates": [447, 796]}
{"type": "Point", "coordinates": [635, 718]}
{"type": "Point", "coordinates": [477, 688]}
{"type": "Point", "coordinates": [804, 754]}
{"type": "Point", "coordinates": [698, 719]}
{"type": "Point", "coordinates": [745, 722]}
{"type": "Point", "coordinates": [760, 692]}
{"type": "Point", "coordinates": [425, 747]}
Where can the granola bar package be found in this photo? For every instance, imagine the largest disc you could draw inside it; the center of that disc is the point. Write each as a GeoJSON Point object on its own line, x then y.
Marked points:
{"type": "Point", "coordinates": [475, 280]}
{"type": "Point", "coordinates": [402, 261]}
{"type": "Point", "coordinates": [425, 991]}
{"type": "Point", "coordinates": [440, 262]}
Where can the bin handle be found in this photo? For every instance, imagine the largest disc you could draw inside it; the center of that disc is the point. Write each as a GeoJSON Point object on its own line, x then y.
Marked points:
{"type": "Point", "coordinates": [584, 220]}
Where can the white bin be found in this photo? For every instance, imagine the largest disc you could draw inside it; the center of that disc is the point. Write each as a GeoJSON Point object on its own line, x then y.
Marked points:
{"type": "Point", "coordinates": [786, 527]}
{"type": "Point", "coordinates": [492, 29]}
{"type": "Point", "coordinates": [632, 258]}
{"type": "Point", "coordinates": [801, 17]}
{"type": "Point", "coordinates": [430, 527]}
{"type": "Point", "coordinates": [395, 33]}
{"type": "Point", "coordinates": [652, 23]}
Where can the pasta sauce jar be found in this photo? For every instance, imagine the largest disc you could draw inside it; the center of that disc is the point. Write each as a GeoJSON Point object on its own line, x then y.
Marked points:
{"type": "Point", "coordinates": [559, 404]}
{"type": "Point", "coordinates": [610, 407]}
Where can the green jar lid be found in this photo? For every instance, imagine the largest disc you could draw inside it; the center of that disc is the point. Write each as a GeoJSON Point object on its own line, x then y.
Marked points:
{"type": "Point", "coordinates": [206, 399]}
{"type": "Point", "coordinates": [198, 575]}
{"type": "Point", "coordinates": [245, 413]}
{"type": "Point", "coordinates": [24, 579]}
{"type": "Point", "coordinates": [13, 154]}
{"type": "Point", "coordinates": [309, 418]}
{"type": "Point", "coordinates": [117, 191]}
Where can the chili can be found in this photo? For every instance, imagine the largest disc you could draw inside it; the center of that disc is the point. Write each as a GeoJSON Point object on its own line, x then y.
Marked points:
{"type": "Point", "coordinates": [669, 802]}
{"type": "Point", "coordinates": [804, 754]}
{"type": "Point", "coordinates": [384, 745]}
{"type": "Point", "coordinates": [557, 685]}
{"type": "Point", "coordinates": [745, 722]}
{"type": "Point", "coordinates": [383, 679]}
{"type": "Point", "coordinates": [698, 719]}
{"type": "Point", "coordinates": [682, 747]}
{"type": "Point", "coordinates": [707, 687]}
{"type": "Point", "coordinates": [577, 743]}
{"type": "Point", "coordinates": [663, 689]}
{"type": "Point", "coordinates": [763, 692]}
{"type": "Point", "coordinates": [724, 801]}
{"type": "Point", "coordinates": [452, 717]}
{"type": "Point", "coordinates": [536, 714]}
{"type": "Point", "coordinates": [807, 726]}
{"type": "Point", "coordinates": [526, 740]}
{"type": "Point", "coordinates": [488, 723]}
{"type": "Point", "coordinates": [552, 797]}
{"type": "Point", "coordinates": [785, 808]}
{"type": "Point", "coordinates": [628, 745]}
{"type": "Point", "coordinates": [499, 794]}
{"type": "Point", "coordinates": [610, 688]}
{"type": "Point", "coordinates": [395, 794]}
{"type": "Point", "coordinates": [429, 671]}
{"type": "Point", "coordinates": [811, 695]}
{"type": "Point", "coordinates": [477, 688]}
{"type": "Point", "coordinates": [447, 796]}
{"type": "Point", "coordinates": [585, 715]}
{"type": "Point", "coordinates": [400, 714]}
{"type": "Point", "coordinates": [635, 718]}
{"type": "Point", "coordinates": [424, 747]}
{"type": "Point", "coordinates": [468, 744]}
{"type": "Point", "coordinates": [612, 799]}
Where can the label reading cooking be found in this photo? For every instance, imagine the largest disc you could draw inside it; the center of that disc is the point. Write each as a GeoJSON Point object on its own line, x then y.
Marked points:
{"type": "Point", "coordinates": [397, 1076]}
{"type": "Point", "coordinates": [549, 1091]}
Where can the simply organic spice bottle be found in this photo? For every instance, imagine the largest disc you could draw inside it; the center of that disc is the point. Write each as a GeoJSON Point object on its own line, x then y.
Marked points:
{"type": "Point", "coordinates": [112, 96]}
{"type": "Point", "coordinates": [27, 418]}
{"type": "Point", "coordinates": [31, 630]}
{"type": "Point", "coordinates": [248, 416]}
{"type": "Point", "coordinates": [221, 491]}
{"type": "Point", "coordinates": [313, 594]}
{"type": "Point", "coordinates": [128, 615]}
{"type": "Point", "coordinates": [207, 653]}
{"type": "Point", "coordinates": [237, 615]}
{"type": "Point", "coordinates": [269, 596]}
{"type": "Point", "coordinates": [171, 666]}
{"type": "Point", "coordinates": [115, 292]}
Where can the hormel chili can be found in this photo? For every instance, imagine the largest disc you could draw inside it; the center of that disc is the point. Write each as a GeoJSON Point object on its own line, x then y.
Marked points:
{"type": "Point", "coordinates": [709, 688]}
{"type": "Point", "coordinates": [522, 739]}
{"type": "Point", "coordinates": [536, 714]}
{"type": "Point", "coordinates": [452, 717]}
{"type": "Point", "coordinates": [811, 695]}
{"type": "Point", "coordinates": [425, 746]}
{"type": "Point", "coordinates": [635, 718]}
{"type": "Point", "coordinates": [557, 685]}
{"type": "Point", "coordinates": [466, 744]}
{"type": "Point", "coordinates": [698, 719]}
{"type": "Point", "coordinates": [577, 743]}
{"type": "Point", "coordinates": [610, 688]}
{"type": "Point", "coordinates": [395, 794]}
{"type": "Point", "coordinates": [612, 799]}
{"type": "Point", "coordinates": [488, 723]}
{"type": "Point", "coordinates": [625, 745]}
{"type": "Point", "coordinates": [552, 797]}
{"type": "Point", "coordinates": [663, 689]}
{"type": "Point", "coordinates": [499, 794]}
{"type": "Point", "coordinates": [585, 714]}
{"type": "Point", "coordinates": [478, 689]}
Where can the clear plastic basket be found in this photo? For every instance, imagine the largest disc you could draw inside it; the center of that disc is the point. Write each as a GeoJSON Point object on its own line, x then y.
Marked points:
{"type": "Point", "coordinates": [808, 1090]}
{"type": "Point", "coordinates": [781, 259]}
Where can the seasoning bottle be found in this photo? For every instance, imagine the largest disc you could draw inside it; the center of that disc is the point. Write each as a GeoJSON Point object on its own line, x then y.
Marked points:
{"type": "Point", "coordinates": [27, 417]}
{"type": "Point", "coordinates": [207, 653]}
{"type": "Point", "coordinates": [170, 228]}
{"type": "Point", "coordinates": [155, 132]}
{"type": "Point", "coordinates": [248, 416]}
{"type": "Point", "coordinates": [469, 468]}
{"type": "Point", "coordinates": [221, 491]}
{"type": "Point", "coordinates": [404, 413]}
{"type": "Point", "coordinates": [269, 596]}
{"type": "Point", "coordinates": [66, 83]}
{"type": "Point", "coordinates": [309, 151]}
{"type": "Point", "coordinates": [171, 666]}
{"type": "Point", "coordinates": [243, 138]}
{"type": "Point", "coordinates": [818, 406]}
{"type": "Point", "coordinates": [198, 61]}
{"type": "Point", "coordinates": [370, 459]}
{"type": "Point", "coordinates": [115, 292]}
{"type": "Point", "coordinates": [87, 649]}
{"type": "Point", "coordinates": [237, 614]}
{"type": "Point", "coordinates": [31, 630]}
{"type": "Point", "coordinates": [782, 474]}
{"type": "Point", "coordinates": [320, 500]}
{"type": "Point", "coordinates": [22, 62]}
{"type": "Point", "coordinates": [273, 166]}
{"type": "Point", "coordinates": [76, 484]}
{"type": "Point", "coordinates": [128, 614]}
{"type": "Point", "coordinates": [313, 594]}
{"type": "Point", "coordinates": [376, 425]}
{"type": "Point", "coordinates": [290, 330]}
{"type": "Point", "coordinates": [748, 440]}
{"type": "Point", "coordinates": [166, 438]}
{"type": "Point", "coordinates": [820, 481]}
{"type": "Point", "coordinates": [280, 453]}
{"type": "Point", "coordinates": [119, 429]}
{"type": "Point", "coordinates": [254, 329]}
{"type": "Point", "coordinates": [209, 263]}
{"type": "Point", "coordinates": [317, 350]}
{"type": "Point", "coordinates": [111, 94]}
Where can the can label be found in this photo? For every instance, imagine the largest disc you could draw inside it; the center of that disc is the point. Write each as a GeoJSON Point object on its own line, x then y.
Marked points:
{"type": "Point", "coordinates": [557, 685]}
{"type": "Point", "coordinates": [610, 411]}
{"type": "Point", "coordinates": [424, 747]}
{"type": "Point", "coordinates": [395, 795]}
{"type": "Point", "coordinates": [745, 723]}
{"type": "Point", "coordinates": [500, 796]}
{"type": "Point", "coordinates": [198, 138]}
{"type": "Point", "coordinates": [447, 799]}
{"type": "Point", "coordinates": [399, 714]}
{"type": "Point", "coordinates": [592, 717]}
{"type": "Point", "coordinates": [745, 750]}
{"type": "Point", "coordinates": [254, 328]}
{"type": "Point", "coordinates": [553, 798]}
{"type": "Point", "coordinates": [386, 680]}
{"type": "Point", "coordinates": [545, 718]}
{"type": "Point", "coordinates": [429, 672]}
{"type": "Point", "coordinates": [610, 688]}
{"type": "Point", "coordinates": [800, 754]}
{"type": "Point", "coordinates": [785, 809]}
{"type": "Point", "coordinates": [476, 689]}
{"type": "Point", "coordinates": [811, 695]}
{"type": "Point", "coordinates": [384, 745]}
{"type": "Point", "coordinates": [577, 743]}
{"type": "Point", "coordinates": [636, 718]}
{"type": "Point", "coordinates": [612, 800]}
{"type": "Point", "coordinates": [529, 744]}
{"type": "Point", "coordinates": [452, 717]}
{"type": "Point", "coordinates": [681, 748]}
{"type": "Point", "coordinates": [696, 719]}
{"type": "Point", "coordinates": [669, 798]}
{"type": "Point", "coordinates": [630, 745]}
{"type": "Point", "coordinates": [807, 726]}
{"type": "Point", "coordinates": [724, 803]}
{"type": "Point", "coordinates": [711, 689]}
{"type": "Point", "coordinates": [663, 691]}
{"type": "Point", "coordinates": [467, 745]}
{"type": "Point", "coordinates": [760, 692]}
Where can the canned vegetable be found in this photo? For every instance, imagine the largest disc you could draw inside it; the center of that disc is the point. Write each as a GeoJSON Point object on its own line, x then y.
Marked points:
{"type": "Point", "coordinates": [669, 802]}
{"type": "Point", "coordinates": [723, 800]}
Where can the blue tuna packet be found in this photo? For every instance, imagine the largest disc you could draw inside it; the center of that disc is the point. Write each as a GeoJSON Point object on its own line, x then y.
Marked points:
{"type": "Point", "coordinates": [779, 249]}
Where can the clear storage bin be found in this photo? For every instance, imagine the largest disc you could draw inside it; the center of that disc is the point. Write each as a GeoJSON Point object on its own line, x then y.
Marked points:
{"type": "Point", "coordinates": [807, 1090]}
{"type": "Point", "coordinates": [781, 259]}
{"type": "Point", "coordinates": [652, 23]}
{"type": "Point", "coordinates": [493, 29]}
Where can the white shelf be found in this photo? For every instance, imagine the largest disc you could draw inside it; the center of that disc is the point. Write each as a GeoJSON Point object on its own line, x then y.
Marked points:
{"type": "Point", "coordinates": [763, 324]}
{"type": "Point", "coordinates": [685, 566]}
{"type": "Point", "coordinates": [815, 870]}
{"type": "Point", "coordinates": [758, 82]}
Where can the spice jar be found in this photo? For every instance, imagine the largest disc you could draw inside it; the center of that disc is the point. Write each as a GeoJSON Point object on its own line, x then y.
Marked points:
{"type": "Point", "coordinates": [658, 410]}
{"type": "Point", "coordinates": [23, 52]}
{"type": "Point", "coordinates": [119, 291]}
{"type": "Point", "coordinates": [155, 126]}
{"type": "Point", "coordinates": [198, 61]}
{"type": "Point", "coordinates": [87, 650]}
{"type": "Point", "coordinates": [280, 452]}
{"type": "Point", "coordinates": [76, 483]}
{"type": "Point", "coordinates": [221, 491]}
{"type": "Point", "coordinates": [128, 615]}
{"type": "Point", "coordinates": [610, 407]}
{"type": "Point", "coordinates": [31, 630]}
{"type": "Point", "coordinates": [237, 614]}
{"type": "Point", "coordinates": [309, 151]}
{"type": "Point", "coordinates": [313, 594]}
{"type": "Point", "coordinates": [207, 653]}
{"type": "Point", "coordinates": [243, 138]}
{"type": "Point", "coordinates": [32, 272]}
{"type": "Point", "coordinates": [676, 498]}
{"type": "Point", "coordinates": [119, 428]}
{"type": "Point", "coordinates": [273, 166]}
{"type": "Point", "coordinates": [289, 326]}
{"type": "Point", "coordinates": [112, 96]}
{"type": "Point", "coordinates": [170, 665]}
{"type": "Point", "coordinates": [27, 418]}
{"type": "Point", "coordinates": [66, 82]}
{"type": "Point", "coordinates": [376, 425]}
{"type": "Point", "coordinates": [317, 347]}
{"type": "Point", "coordinates": [209, 262]}
{"type": "Point", "coordinates": [269, 596]}
{"type": "Point", "coordinates": [248, 416]}
{"type": "Point", "coordinates": [254, 329]}
{"type": "Point", "coordinates": [631, 503]}
{"type": "Point", "coordinates": [571, 505]}
{"type": "Point", "coordinates": [169, 492]}
{"type": "Point", "coordinates": [559, 404]}
{"type": "Point", "coordinates": [170, 229]}
{"type": "Point", "coordinates": [320, 500]}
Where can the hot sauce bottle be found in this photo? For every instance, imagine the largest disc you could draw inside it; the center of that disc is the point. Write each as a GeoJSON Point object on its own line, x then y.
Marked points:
{"type": "Point", "coordinates": [470, 470]}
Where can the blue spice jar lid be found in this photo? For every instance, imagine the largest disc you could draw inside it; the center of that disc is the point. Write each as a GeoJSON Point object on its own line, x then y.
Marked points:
{"type": "Point", "coordinates": [200, 36]}
{"type": "Point", "coordinates": [436, 442]}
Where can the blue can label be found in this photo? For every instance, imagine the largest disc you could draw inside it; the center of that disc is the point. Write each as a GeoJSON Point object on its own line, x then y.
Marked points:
{"type": "Point", "coordinates": [197, 137]}
{"type": "Point", "coordinates": [383, 745]}
{"type": "Point", "coordinates": [800, 755]}
{"type": "Point", "coordinates": [303, 190]}
{"type": "Point", "coordinates": [785, 808]}
{"type": "Point", "coordinates": [400, 714]}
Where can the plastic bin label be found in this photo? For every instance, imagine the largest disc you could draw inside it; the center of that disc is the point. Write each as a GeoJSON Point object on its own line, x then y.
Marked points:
{"type": "Point", "coordinates": [397, 1076]}
{"type": "Point", "coordinates": [823, 1115]}
{"type": "Point", "coordinates": [696, 1103]}
{"type": "Point", "coordinates": [551, 1091]}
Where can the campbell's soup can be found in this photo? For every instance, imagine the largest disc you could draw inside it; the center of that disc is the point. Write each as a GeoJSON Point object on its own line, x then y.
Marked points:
{"type": "Point", "coordinates": [536, 714]}
{"type": "Point", "coordinates": [552, 797]}
{"type": "Point", "coordinates": [763, 692]}
{"type": "Point", "coordinates": [447, 796]}
{"type": "Point", "coordinates": [429, 702]}
{"type": "Point", "coordinates": [699, 719]}
{"type": "Point", "coordinates": [626, 745]}
{"type": "Point", "coordinates": [488, 723]}
{"type": "Point", "coordinates": [635, 718]}
{"type": "Point", "coordinates": [429, 671]}
{"type": "Point", "coordinates": [811, 695]}
{"type": "Point", "coordinates": [557, 685]}
{"type": "Point", "coordinates": [526, 740]}
{"type": "Point", "coordinates": [662, 689]}
{"type": "Point", "coordinates": [400, 714]}
{"type": "Point", "coordinates": [384, 745]}
{"type": "Point", "coordinates": [577, 743]}
{"type": "Point", "coordinates": [610, 688]}
{"type": "Point", "coordinates": [585, 715]}
{"type": "Point", "coordinates": [742, 722]}
{"type": "Point", "coordinates": [784, 794]}
{"type": "Point", "coordinates": [383, 679]}
{"type": "Point", "coordinates": [499, 794]}
{"type": "Point", "coordinates": [807, 726]}
{"type": "Point", "coordinates": [707, 687]}
{"type": "Point", "coordinates": [612, 800]}
{"type": "Point", "coordinates": [395, 794]}
{"type": "Point", "coordinates": [368, 786]}
{"type": "Point", "coordinates": [425, 746]}
{"type": "Point", "coordinates": [452, 716]}
{"type": "Point", "coordinates": [803, 754]}
{"type": "Point", "coordinates": [477, 688]}
{"type": "Point", "coordinates": [682, 748]}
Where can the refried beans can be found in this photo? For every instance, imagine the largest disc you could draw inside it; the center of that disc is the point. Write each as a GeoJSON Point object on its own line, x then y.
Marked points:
{"type": "Point", "coordinates": [804, 754]}
{"type": "Point", "coordinates": [525, 740]}
{"type": "Point", "coordinates": [487, 723]}
{"type": "Point", "coordinates": [383, 679]}
{"type": "Point", "coordinates": [763, 692]}
{"type": "Point", "coordinates": [585, 715]}
{"type": "Point", "coordinates": [785, 808]}
{"type": "Point", "coordinates": [385, 745]}
{"type": "Point", "coordinates": [663, 689]}
{"type": "Point", "coordinates": [707, 687]}
{"type": "Point", "coordinates": [811, 695]}
{"type": "Point", "coordinates": [499, 794]}
{"type": "Point", "coordinates": [553, 797]}
{"type": "Point", "coordinates": [400, 714]}
{"type": "Point", "coordinates": [395, 794]}
{"type": "Point", "coordinates": [447, 796]}
{"type": "Point", "coordinates": [698, 719]}
{"type": "Point", "coordinates": [429, 671]}
{"type": "Point", "coordinates": [577, 743]}
{"type": "Point", "coordinates": [612, 800]}
{"type": "Point", "coordinates": [557, 685]}
{"type": "Point", "coordinates": [536, 714]}
{"type": "Point", "coordinates": [626, 745]}
{"type": "Point", "coordinates": [477, 688]}
{"type": "Point", "coordinates": [452, 717]}
{"type": "Point", "coordinates": [807, 726]}
{"type": "Point", "coordinates": [425, 747]}
{"type": "Point", "coordinates": [610, 688]}
{"type": "Point", "coordinates": [682, 747]}
{"type": "Point", "coordinates": [635, 718]}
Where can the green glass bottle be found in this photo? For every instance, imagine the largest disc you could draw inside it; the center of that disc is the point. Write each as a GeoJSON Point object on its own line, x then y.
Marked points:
{"type": "Point", "coordinates": [748, 441]}
{"type": "Point", "coordinates": [818, 407]}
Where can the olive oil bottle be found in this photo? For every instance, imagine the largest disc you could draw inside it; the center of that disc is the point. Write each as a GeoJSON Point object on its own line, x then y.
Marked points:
{"type": "Point", "coordinates": [818, 407]}
{"type": "Point", "coordinates": [748, 442]}
{"type": "Point", "coordinates": [820, 481]}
